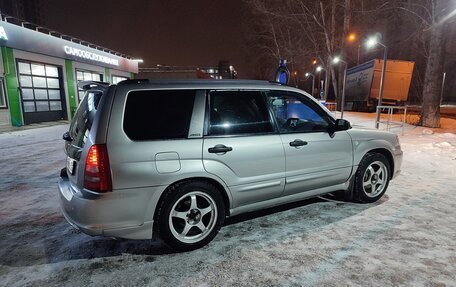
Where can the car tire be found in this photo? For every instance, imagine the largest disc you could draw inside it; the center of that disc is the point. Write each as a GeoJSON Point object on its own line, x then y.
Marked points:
{"type": "Point", "coordinates": [190, 215]}
{"type": "Point", "coordinates": [371, 178]}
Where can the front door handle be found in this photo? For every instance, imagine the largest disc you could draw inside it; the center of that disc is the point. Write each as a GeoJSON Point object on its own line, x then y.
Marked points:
{"type": "Point", "coordinates": [297, 143]}
{"type": "Point", "coordinates": [220, 149]}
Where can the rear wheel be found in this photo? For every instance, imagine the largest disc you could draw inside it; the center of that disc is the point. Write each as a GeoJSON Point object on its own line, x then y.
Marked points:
{"type": "Point", "coordinates": [190, 215]}
{"type": "Point", "coordinates": [372, 178]}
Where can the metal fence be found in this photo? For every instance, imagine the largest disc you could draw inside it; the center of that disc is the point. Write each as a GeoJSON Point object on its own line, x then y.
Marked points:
{"type": "Point", "coordinates": [390, 123]}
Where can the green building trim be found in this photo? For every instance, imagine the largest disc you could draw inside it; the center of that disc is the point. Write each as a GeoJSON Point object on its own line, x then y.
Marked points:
{"type": "Point", "coordinates": [11, 85]}
{"type": "Point", "coordinates": [70, 86]}
{"type": "Point", "coordinates": [107, 75]}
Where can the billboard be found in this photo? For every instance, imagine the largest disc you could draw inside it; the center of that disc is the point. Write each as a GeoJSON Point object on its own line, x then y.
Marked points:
{"type": "Point", "coordinates": [359, 82]}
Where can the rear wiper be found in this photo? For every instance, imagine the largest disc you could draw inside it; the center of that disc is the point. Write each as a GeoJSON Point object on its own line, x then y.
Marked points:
{"type": "Point", "coordinates": [66, 136]}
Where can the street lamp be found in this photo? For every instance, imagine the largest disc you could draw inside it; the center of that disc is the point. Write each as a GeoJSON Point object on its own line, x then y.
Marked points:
{"type": "Point", "coordinates": [320, 84]}
{"type": "Point", "coordinates": [295, 74]}
{"type": "Point", "coordinates": [370, 43]}
{"type": "Point", "coordinates": [352, 37]}
{"type": "Point", "coordinates": [337, 60]}
{"type": "Point", "coordinates": [313, 81]}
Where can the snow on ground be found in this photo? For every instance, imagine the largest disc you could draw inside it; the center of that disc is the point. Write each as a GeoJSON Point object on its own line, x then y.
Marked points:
{"type": "Point", "coordinates": [407, 238]}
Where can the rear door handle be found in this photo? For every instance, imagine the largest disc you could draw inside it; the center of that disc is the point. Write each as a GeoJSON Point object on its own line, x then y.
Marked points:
{"type": "Point", "coordinates": [220, 149]}
{"type": "Point", "coordinates": [297, 143]}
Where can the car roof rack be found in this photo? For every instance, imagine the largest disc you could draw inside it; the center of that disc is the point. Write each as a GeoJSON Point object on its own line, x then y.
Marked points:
{"type": "Point", "coordinates": [191, 81]}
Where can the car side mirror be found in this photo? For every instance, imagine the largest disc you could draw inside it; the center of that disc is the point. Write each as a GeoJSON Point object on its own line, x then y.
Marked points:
{"type": "Point", "coordinates": [342, 125]}
{"type": "Point", "coordinates": [339, 125]}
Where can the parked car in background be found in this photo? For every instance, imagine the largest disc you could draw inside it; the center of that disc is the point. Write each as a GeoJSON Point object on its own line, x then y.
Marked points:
{"type": "Point", "coordinates": [173, 159]}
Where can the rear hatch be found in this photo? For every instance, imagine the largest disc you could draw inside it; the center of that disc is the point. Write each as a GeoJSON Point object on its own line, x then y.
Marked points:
{"type": "Point", "coordinates": [78, 139]}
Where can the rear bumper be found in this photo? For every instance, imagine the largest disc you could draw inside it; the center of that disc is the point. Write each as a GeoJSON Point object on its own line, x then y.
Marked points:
{"type": "Point", "coordinates": [126, 213]}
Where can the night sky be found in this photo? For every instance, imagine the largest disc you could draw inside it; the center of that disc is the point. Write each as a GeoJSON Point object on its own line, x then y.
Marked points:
{"type": "Point", "coordinates": [197, 33]}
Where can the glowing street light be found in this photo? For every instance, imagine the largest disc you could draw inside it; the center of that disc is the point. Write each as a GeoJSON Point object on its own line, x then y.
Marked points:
{"type": "Point", "coordinates": [370, 43]}
{"type": "Point", "coordinates": [337, 60]}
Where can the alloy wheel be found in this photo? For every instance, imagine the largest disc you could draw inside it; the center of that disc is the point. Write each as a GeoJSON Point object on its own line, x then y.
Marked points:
{"type": "Point", "coordinates": [375, 179]}
{"type": "Point", "coordinates": [193, 217]}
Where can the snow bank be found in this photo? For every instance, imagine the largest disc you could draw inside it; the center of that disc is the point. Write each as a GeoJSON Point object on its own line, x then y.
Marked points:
{"type": "Point", "coordinates": [407, 238]}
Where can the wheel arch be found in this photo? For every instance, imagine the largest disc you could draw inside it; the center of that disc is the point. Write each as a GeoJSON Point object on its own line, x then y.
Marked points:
{"type": "Point", "coordinates": [221, 188]}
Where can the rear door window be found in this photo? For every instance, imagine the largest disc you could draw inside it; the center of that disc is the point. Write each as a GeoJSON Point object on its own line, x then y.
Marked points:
{"type": "Point", "coordinates": [158, 114]}
{"type": "Point", "coordinates": [83, 119]}
{"type": "Point", "coordinates": [238, 113]}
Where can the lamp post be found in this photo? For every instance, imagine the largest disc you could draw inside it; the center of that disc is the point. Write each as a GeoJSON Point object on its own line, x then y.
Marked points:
{"type": "Point", "coordinates": [320, 84]}
{"type": "Point", "coordinates": [336, 60]}
{"type": "Point", "coordinates": [353, 38]}
{"type": "Point", "coordinates": [313, 82]}
{"type": "Point", "coordinates": [371, 42]}
{"type": "Point", "coordinates": [295, 76]}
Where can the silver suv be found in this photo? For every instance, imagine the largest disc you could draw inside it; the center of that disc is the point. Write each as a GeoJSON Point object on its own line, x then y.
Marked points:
{"type": "Point", "coordinates": [174, 158]}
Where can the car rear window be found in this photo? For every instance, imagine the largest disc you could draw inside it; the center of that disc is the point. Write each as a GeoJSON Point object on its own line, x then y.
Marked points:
{"type": "Point", "coordinates": [158, 114]}
{"type": "Point", "coordinates": [84, 116]}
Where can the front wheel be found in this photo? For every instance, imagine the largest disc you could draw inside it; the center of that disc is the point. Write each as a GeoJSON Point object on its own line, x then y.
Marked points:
{"type": "Point", "coordinates": [190, 215]}
{"type": "Point", "coordinates": [372, 178]}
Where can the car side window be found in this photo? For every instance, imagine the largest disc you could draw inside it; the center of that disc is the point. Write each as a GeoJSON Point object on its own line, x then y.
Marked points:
{"type": "Point", "coordinates": [296, 114]}
{"type": "Point", "coordinates": [158, 114]}
{"type": "Point", "coordinates": [237, 113]}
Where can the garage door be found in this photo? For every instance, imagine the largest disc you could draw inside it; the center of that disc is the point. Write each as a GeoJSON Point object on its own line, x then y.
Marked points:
{"type": "Point", "coordinates": [41, 89]}
{"type": "Point", "coordinates": [82, 75]}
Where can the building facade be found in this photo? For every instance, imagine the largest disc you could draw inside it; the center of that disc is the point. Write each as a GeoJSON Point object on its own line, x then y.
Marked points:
{"type": "Point", "coordinates": [39, 74]}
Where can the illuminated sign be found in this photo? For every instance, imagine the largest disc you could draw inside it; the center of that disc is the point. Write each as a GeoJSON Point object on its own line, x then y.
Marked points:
{"type": "Point", "coordinates": [3, 34]}
{"type": "Point", "coordinates": [21, 38]}
{"type": "Point", "coordinates": [90, 56]}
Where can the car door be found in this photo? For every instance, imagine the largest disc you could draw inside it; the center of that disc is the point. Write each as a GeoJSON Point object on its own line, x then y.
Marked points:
{"type": "Point", "coordinates": [314, 158]}
{"type": "Point", "coordinates": [242, 147]}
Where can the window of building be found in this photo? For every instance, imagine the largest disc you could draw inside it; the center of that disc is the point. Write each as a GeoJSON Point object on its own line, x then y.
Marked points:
{"type": "Point", "coordinates": [82, 75]}
{"type": "Point", "coordinates": [117, 79]}
{"type": "Point", "coordinates": [153, 115]}
{"type": "Point", "coordinates": [238, 112]}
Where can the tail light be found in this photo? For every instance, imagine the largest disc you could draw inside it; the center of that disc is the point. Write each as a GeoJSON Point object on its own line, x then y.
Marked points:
{"type": "Point", "coordinates": [97, 173]}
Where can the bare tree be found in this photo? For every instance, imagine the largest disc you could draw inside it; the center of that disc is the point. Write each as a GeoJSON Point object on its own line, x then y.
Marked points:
{"type": "Point", "coordinates": [275, 35]}
{"type": "Point", "coordinates": [300, 30]}
{"type": "Point", "coordinates": [430, 112]}
{"type": "Point", "coordinates": [345, 31]}
{"type": "Point", "coordinates": [426, 20]}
